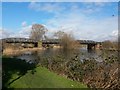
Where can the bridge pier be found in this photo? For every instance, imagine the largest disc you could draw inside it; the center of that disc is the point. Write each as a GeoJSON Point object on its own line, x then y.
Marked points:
{"type": "Point", "coordinates": [36, 44]}
{"type": "Point", "coordinates": [91, 46]}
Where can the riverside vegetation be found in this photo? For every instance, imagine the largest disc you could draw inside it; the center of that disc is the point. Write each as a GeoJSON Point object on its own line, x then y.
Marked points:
{"type": "Point", "coordinates": [94, 74]}
{"type": "Point", "coordinates": [66, 62]}
{"type": "Point", "coordinates": [20, 74]}
{"type": "Point", "coordinates": [89, 71]}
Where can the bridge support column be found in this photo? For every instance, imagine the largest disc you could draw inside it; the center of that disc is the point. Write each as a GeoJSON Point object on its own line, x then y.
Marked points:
{"type": "Point", "coordinates": [35, 44]}
{"type": "Point", "coordinates": [91, 47]}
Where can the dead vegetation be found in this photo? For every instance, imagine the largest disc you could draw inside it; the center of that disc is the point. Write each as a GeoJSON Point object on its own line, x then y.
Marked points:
{"type": "Point", "coordinates": [92, 73]}
{"type": "Point", "coordinates": [68, 42]}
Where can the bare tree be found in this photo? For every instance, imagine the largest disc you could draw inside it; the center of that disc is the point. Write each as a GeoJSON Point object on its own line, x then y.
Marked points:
{"type": "Point", "coordinates": [59, 34]}
{"type": "Point", "coordinates": [67, 40]}
{"type": "Point", "coordinates": [38, 32]}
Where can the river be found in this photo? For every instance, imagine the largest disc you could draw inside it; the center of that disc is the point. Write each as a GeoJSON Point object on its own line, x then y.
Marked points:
{"type": "Point", "coordinates": [83, 54]}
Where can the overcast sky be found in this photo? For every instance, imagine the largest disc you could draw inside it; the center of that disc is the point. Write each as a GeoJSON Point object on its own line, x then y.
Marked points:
{"type": "Point", "coordinates": [86, 20]}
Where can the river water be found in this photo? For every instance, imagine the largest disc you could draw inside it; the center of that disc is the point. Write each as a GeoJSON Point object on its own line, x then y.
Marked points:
{"type": "Point", "coordinates": [83, 54]}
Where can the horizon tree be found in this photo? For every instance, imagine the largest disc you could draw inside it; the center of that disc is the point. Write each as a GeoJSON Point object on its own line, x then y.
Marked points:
{"type": "Point", "coordinates": [59, 34]}
{"type": "Point", "coordinates": [38, 32]}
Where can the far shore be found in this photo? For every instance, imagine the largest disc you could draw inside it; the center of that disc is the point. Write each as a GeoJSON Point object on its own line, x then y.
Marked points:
{"type": "Point", "coordinates": [15, 52]}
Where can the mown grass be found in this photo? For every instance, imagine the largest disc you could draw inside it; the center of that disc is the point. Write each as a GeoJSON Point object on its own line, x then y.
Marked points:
{"type": "Point", "coordinates": [43, 78]}
{"type": "Point", "coordinates": [18, 74]}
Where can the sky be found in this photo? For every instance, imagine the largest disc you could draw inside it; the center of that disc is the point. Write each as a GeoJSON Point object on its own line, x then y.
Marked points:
{"type": "Point", "coordinates": [85, 20]}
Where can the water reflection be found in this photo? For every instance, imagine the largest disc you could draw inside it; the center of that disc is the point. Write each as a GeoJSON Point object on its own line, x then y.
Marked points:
{"type": "Point", "coordinates": [82, 53]}
{"type": "Point", "coordinates": [28, 57]}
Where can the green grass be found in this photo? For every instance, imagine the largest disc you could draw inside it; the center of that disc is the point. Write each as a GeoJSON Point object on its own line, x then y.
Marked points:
{"type": "Point", "coordinates": [43, 78]}
{"type": "Point", "coordinates": [17, 73]}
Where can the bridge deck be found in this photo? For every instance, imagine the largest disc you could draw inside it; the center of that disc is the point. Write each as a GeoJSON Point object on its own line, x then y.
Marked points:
{"type": "Point", "coordinates": [87, 42]}
{"type": "Point", "coordinates": [57, 41]}
{"type": "Point", "coordinates": [50, 41]}
{"type": "Point", "coordinates": [19, 40]}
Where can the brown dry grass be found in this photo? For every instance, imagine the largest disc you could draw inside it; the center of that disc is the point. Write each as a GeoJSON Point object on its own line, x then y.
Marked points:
{"type": "Point", "coordinates": [14, 52]}
{"type": "Point", "coordinates": [68, 42]}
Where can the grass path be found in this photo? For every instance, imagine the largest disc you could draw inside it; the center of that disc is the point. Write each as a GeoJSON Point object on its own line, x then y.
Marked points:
{"type": "Point", "coordinates": [43, 78]}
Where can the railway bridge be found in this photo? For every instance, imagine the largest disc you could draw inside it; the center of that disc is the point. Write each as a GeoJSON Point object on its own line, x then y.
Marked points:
{"type": "Point", "coordinates": [20, 40]}
{"type": "Point", "coordinates": [90, 44]}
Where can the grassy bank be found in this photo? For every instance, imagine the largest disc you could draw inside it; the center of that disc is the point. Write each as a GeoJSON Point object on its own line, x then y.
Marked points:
{"type": "Point", "coordinates": [43, 78]}
{"type": "Point", "coordinates": [19, 74]}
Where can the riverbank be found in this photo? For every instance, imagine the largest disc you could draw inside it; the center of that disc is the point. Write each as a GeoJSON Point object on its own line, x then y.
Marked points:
{"type": "Point", "coordinates": [19, 74]}
{"type": "Point", "coordinates": [16, 52]}
{"type": "Point", "coordinates": [19, 51]}
{"type": "Point", "coordinates": [89, 71]}
{"type": "Point", "coordinates": [43, 78]}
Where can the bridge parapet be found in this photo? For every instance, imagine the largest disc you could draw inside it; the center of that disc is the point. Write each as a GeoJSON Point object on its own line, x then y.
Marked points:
{"type": "Point", "coordinates": [19, 40]}
{"type": "Point", "coordinates": [51, 41]}
{"type": "Point", "coordinates": [87, 42]}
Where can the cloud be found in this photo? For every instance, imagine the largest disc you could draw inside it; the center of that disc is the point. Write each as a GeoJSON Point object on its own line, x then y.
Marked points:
{"type": "Point", "coordinates": [24, 32]}
{"type": "Point", "coordinates": [110, 36]}
{"type": "Point", "coordinates": [93, 7]}
{"type": "Point", "coordinates": [48, 7]}
{"type": "Point", "coordinates": [4, 33]}
{"type": "Point", "coordinates": [24, 23]}
{"type": "Point", "coordinates": [82, 26]}
{"type": "Point", "coordinates": [74, 20]}
{"type": "Point", "coordinates": [57, 8]}
{"type": "Point", "coordinates": [114, 35]}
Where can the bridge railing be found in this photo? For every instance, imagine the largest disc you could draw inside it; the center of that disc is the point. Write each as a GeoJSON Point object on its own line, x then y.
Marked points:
{"type": "Point", "coordinates": [22, 40]}
{"type": "Point", "coordinates": [50, 41]}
